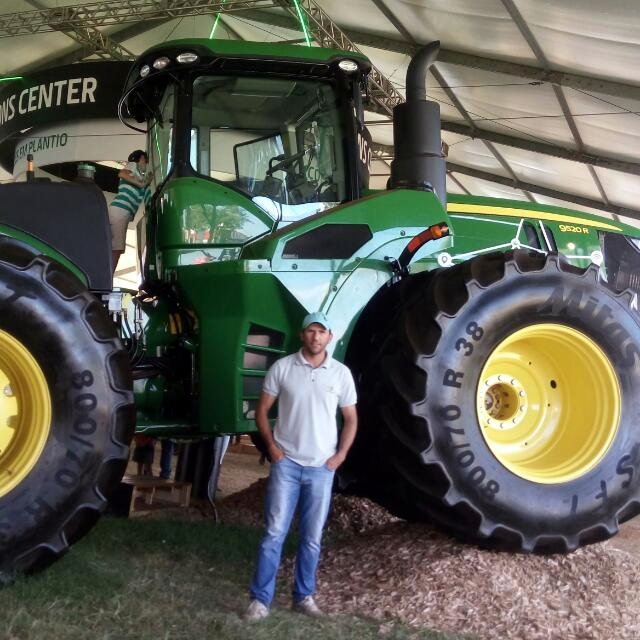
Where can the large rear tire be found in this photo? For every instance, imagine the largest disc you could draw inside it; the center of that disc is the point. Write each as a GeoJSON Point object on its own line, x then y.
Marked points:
{"type": "Point", "coordinates": [504, 405]}
{"type": "Point", "coordinates": [66, 409]}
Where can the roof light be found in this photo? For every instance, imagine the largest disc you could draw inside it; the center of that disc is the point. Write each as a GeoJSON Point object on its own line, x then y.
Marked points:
{"type": "Point", "coordinates": [144, 72]}
{"type": "Point", "coordinates": [161, 63]}
{"type": "Point", "coordinates": [348, 65]}
{"type": "Point", "coordinates": [187, 57]}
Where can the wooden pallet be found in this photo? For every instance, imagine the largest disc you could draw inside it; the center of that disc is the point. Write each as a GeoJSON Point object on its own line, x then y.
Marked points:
{"type": "Point", "coordinates": [153, 491]}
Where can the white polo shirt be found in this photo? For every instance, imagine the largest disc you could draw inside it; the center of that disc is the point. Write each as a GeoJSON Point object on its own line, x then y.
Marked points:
{"type": "Point", "coordinates": [308, 400]}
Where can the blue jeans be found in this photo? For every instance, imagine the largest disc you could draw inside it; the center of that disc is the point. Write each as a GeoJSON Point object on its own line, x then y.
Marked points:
{"type": "Point", "coordinates": [165, 459]}
{"type": "Point", "coordinates": [291, 484]}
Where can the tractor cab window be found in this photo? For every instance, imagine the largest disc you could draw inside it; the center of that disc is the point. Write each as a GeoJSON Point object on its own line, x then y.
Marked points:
{"type": "Point", "coordinates": [160, 138]}
{"type": "Point", "coordinates": [279, 141]}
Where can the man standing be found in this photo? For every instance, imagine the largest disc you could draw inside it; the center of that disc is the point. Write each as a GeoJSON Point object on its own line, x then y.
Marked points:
{"type": "Point", "coordinates": [305, 453]}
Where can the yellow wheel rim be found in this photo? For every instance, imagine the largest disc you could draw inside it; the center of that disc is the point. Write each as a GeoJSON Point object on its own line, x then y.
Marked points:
{"type": "Point", "coordinates": [25, 412]}
{"type": "Point", "coordinates": [548, 403]}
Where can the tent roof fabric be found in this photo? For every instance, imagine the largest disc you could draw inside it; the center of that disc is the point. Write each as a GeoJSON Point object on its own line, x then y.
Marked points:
{"type": "Point", "coordinates": [521, 78]}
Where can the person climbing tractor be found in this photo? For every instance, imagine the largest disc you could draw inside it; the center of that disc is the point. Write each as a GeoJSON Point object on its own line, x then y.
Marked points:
{"type": "Point", "coordinates": [133, 190]}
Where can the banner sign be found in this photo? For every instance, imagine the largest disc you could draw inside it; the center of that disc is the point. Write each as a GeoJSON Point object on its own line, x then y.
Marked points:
{"type": "Point", "coordinates": [74, 92]}
{"type": "Point", "coordinates": [48, 96]}
{"type": "Point", "coordinates": [39, 143]}
{"type": "Point", "coordinates": [82, 141]}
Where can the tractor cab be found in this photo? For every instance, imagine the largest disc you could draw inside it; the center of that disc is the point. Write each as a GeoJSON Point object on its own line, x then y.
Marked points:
{"type": "Point", "coordinates": [267, 134]}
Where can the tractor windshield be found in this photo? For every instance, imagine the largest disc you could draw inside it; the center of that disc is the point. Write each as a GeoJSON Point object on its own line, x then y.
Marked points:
{"type": "Point", "coordinates": [279, 141]}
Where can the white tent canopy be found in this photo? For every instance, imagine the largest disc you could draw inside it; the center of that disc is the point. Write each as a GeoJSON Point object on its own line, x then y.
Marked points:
{"type": "Point", "coordinates": [525, 82]}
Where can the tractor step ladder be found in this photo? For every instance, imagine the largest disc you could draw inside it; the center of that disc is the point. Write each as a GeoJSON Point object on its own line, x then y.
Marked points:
{"type": "Point", "coordinates": [153, 491]}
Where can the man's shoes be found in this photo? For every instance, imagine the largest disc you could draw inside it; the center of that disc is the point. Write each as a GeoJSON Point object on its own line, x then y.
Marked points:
{"type": "Point", "coordinates": [256, 611]}
{"type": "Point", "coordinates": [309, 607]}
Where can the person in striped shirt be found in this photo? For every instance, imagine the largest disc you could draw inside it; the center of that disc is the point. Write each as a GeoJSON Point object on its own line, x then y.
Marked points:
{"type": "Point", "coordinates": [133, 190]}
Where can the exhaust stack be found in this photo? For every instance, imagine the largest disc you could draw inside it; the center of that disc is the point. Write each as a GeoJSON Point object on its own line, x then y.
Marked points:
{"type": "Point", "coordinates": [418, 159]}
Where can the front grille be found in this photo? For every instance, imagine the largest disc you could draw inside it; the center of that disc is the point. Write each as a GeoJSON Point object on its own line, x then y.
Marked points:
{"type": "Point", "coordinates": [262, 348]}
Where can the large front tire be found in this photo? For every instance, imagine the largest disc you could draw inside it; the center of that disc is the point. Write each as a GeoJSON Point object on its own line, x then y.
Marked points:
{"type": "Point", "coordinates": [66, 409]}
{"type": "Point", "coordinates": [508, 399]}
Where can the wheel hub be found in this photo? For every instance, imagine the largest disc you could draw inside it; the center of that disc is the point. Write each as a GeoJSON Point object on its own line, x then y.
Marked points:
{"type": "Point", "coordinates": [548, 403]}
{"type": "Point", "coordinates": [505, 402]}
{"type": "Point", "coordinates": [25, 412]}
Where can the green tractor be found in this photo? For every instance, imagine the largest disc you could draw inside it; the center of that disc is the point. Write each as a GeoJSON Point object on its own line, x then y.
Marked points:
{"type": "Point", "coordinates": [495, 343]}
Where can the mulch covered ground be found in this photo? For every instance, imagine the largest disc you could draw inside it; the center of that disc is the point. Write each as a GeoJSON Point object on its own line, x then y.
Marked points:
{"type": "Point", "coordinates": [348, 514]}
{"type": "Point", "coordinates": [391, 569]}
{"type": "Point", "coordinates": [411, 572]}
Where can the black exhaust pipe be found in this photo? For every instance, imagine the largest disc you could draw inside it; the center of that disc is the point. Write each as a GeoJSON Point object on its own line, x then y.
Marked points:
{"type": "Point", "coordinates": [418, 159]}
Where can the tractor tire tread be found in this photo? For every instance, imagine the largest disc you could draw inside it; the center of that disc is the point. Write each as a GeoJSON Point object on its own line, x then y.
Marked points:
{"type": "Point", "coordinates": [71, 291]}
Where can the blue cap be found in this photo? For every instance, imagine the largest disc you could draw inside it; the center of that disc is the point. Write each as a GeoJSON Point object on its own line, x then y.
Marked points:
{"type": "Point", "coordinates": [317, 317]}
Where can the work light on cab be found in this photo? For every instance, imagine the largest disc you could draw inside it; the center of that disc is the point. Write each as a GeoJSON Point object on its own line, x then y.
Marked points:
{"type": "Point", "coordinates": [348, 65]}
{"type": "Point", "coordinates": [187, 57]}
{"type": "Point", "coordinates": [160, 63]}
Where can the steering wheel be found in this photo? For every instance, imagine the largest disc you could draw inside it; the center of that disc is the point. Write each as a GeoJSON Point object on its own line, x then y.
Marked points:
{"type": "Point", "coordinates": [281, 162]}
